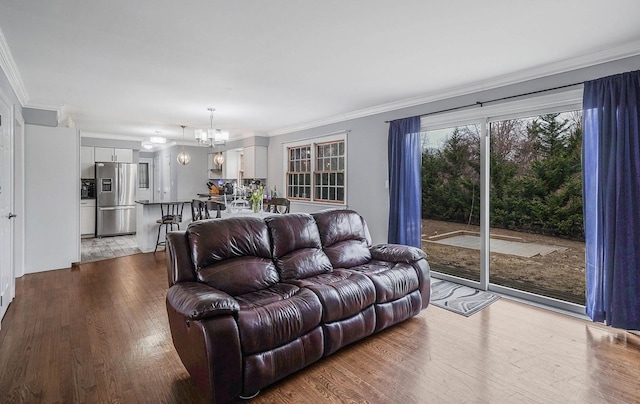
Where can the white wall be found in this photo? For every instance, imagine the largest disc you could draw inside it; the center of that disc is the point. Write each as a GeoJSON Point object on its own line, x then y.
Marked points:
{"type": "Point", "coordinates": [366, 170]}
{"type": "Point", "coordinates": [367, 141]}
{"type": "Point", "coordinates": [191, 179]}
{"type": "Point", "coordinates": [52, 193]}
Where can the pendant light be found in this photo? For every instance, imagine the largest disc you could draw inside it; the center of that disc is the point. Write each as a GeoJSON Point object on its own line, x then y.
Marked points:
{"type": "Point", "coordinates": [218, 159]}
{"type": "Point", "coordinates": [183, 156]}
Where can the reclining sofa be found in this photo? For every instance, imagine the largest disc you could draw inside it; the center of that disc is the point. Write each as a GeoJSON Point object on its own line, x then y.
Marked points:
{"type": "Point", "coordinates": [252, 300]}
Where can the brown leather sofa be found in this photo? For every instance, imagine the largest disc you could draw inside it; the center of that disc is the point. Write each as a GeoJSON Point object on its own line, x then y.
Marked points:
{"type": "Point", "coordinates": [252, 300]}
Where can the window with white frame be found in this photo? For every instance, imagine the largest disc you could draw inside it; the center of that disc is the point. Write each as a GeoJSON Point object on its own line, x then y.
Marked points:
{"type": "Point", "coordinates": [299, 172]}
{"type": "Point", "coordinates": [316, 170]}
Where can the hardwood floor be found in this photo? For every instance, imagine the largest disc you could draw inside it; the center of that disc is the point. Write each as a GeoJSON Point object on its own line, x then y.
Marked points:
{"type": "Point", "coordinates": [99, 333]}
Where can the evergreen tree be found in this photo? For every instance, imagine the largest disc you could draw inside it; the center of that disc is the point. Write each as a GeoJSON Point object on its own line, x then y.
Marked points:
{"type": "Point", "coordinates": [536, 182]}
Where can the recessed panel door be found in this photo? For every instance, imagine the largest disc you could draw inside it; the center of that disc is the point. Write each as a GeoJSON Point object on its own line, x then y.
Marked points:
{"type": "Point", "coordinates": [6, 206]}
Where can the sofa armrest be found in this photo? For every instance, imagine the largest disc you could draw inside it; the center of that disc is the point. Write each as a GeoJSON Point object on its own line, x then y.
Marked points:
{"type": "Point", "coordinates": [397, 253]}
{"type": "Point", "coordinates": [178, 252]}
{"type": "Point", "coordinates": [196, 301]}
{"type": "Point", "coordinates": [413, 256]}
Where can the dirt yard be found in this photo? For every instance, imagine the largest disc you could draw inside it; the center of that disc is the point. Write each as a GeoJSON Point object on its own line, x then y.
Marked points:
{"type": "Point", "coordinates": [560, 274]}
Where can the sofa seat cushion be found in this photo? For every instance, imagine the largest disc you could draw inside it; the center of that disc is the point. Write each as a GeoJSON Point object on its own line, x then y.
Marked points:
{"type": "Point", "coordinates": [275, 316]}
{"type": "Point", "coordinates": [342, 293]}
{"type": "Point", "coordinates": [392, 280]}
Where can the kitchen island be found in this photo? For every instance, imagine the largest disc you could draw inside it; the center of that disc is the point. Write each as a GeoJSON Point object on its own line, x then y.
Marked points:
{"type": "Point", "coordinates": [147, 214]}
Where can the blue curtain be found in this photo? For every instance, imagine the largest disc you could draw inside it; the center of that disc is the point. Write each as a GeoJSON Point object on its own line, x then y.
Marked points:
{"type": "Point", "coordinates": [611, 169]}
{"type": "Point", "coordinates": [405, 185]}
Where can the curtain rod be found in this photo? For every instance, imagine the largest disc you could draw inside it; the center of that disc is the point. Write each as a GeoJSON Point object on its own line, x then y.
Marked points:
{"type": "Point", "coordinates": [481, 103]}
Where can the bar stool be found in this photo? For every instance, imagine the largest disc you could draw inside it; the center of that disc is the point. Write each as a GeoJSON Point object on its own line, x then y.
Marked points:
{"type": "Point", "coordinates": [171, 214]}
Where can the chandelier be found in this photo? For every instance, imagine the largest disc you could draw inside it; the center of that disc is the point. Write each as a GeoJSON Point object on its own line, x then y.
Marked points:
{"type": "Point", "coordinates": [212, 137]}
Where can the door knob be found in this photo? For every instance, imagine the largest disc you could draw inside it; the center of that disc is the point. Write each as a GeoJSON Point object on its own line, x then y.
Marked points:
{"type": "Point", "coordinates": [11, 215]}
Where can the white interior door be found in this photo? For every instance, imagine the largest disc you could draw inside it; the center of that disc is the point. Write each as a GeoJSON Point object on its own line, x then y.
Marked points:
{"type": "Point", "coordinates": [6, 201]}
{"type": "Point", "coordinates": [165, 178]}
{"type": "Point", "coordinates": [18, 195]}
{"type": "Point", "coordinates": [156, 179]}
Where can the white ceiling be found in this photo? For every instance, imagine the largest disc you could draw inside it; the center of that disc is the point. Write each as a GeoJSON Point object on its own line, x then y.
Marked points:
{"type": "Point", "coordinates": [131, 68]}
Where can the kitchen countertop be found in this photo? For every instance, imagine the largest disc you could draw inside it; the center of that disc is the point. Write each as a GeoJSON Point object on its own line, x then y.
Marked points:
{"type": "Point", "coordinates": [215, 197]}
{"type": "Point", "coordinates": [146, 202]}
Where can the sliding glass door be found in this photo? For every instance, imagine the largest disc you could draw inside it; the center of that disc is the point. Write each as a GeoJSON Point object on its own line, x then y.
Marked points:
{"type": "Point", "coordinates": [537, 237]}
{"type": "Point", "coordinates": [502, 200]}
{"type": "Point", "coordinates": [450, 200]}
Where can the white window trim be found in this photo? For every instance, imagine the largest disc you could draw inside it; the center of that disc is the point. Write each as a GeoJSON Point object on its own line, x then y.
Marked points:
{"type": "Point", "coordinates": [313, 141]}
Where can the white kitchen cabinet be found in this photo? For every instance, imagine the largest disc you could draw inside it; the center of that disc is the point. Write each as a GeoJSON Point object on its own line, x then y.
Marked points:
{"type": "Point", "coordinates": [87, 162]}
{"type": "Point", "coordinates": [254, 162]}
{"type": "Point", "coordinates": [123, 155]}
{"type": "Point", "coordinates": [87, 217]}
{"type": "Point", "coordinates": [102, 154]}
{"type": "Point", "coordinates": [229, 169]}
{"type": "Point", "coordinates": [230, 166]}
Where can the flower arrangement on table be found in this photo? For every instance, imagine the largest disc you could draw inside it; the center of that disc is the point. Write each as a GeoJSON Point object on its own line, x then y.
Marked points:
{"type": "Point", "coordinates": [256, 199]}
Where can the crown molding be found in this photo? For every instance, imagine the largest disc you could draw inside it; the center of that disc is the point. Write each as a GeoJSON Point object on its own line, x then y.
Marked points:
{"type": "Point", "coordinates": [111, 136]}
{"type": "Point", "coordinates": [10, 69]}
{"type": "Point", "coordinates": [41, 105]}
{"type": "Point", "coordinates": [628, 49]}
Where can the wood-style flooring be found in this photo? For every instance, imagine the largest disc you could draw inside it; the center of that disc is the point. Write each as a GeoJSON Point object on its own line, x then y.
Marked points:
{"type": "Point", "coordinates": [98, 333]}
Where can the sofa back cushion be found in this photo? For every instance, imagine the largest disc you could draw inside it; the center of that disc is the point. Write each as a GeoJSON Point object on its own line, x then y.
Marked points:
{"type": "Point", "coordinates": [296, 246]}
{"type": "Point", "coordinates": [232, 255]}
{"type": "Point", "coordinates": [345, 237]}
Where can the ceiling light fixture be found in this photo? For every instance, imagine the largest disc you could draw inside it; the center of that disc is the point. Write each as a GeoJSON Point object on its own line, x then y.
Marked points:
{"type": "Point", "coordinates": [211, 136]}
{"type": "Point", "coordinates": [157, 138]}
{"type": "Point", "coordinates": [183, 156]}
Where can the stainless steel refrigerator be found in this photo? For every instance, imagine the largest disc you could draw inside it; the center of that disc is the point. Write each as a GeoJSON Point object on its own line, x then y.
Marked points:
{"type": "Point", "coordinates": [116, 190]}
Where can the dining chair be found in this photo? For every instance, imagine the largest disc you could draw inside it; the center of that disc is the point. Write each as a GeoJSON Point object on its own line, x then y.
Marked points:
{"type": "Point", "coordinates": [199, 210]}
{"type": "Point", "coordinates": [279, 205]}
{"type": "Point", "coordinates": [217, 206]}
